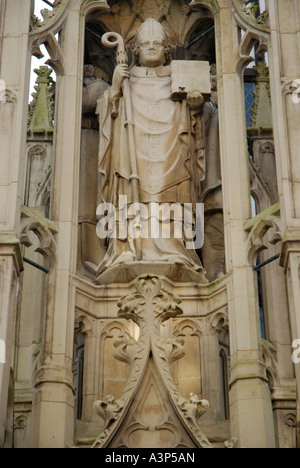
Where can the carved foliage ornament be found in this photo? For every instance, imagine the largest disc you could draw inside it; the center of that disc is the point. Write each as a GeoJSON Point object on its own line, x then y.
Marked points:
{"type": "Point", "coordinates": [296, 91]}
{"type": "Point", "coordinates": [51, 18]}
{"type": "Point", "coordinates": [213, 4]}
{"type": "Point", "coordinates": [246, 13]}
{"type": "Point", "coordinates": [291, 86]}
{"type": "Point", "coordinates": [7, 95]}
{"type": "Point", "coordinates": [43, 228]}
{"type": "Point", "coordinates": [149, 307]}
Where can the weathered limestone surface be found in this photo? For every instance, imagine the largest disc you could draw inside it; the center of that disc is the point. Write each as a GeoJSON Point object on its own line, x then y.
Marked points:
{"type": "Point", "coordinates": [285, 69]}
{"type": "Point", "coordinates": [14, 75]}
{"type": "Point", "coordinates": [149, 352]}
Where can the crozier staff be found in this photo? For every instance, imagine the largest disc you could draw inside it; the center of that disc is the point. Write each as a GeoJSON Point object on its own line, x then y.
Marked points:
{"type": "Point", "coordinates": [121, 82]}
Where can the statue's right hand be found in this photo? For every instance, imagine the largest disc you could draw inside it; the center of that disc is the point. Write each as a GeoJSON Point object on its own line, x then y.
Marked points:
{"type": "Point", "coordinates": [121, 72]}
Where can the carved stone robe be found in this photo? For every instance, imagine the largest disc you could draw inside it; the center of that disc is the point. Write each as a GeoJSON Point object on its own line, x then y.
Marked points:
{"type": "Point", "coordinates": [170, 146]}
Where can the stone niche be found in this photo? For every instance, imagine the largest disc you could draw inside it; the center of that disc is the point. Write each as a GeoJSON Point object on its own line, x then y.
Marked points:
{"type": "Point", "coordinates": [146, 372]}
{"type": "Point", "coordinates": [191, 36]}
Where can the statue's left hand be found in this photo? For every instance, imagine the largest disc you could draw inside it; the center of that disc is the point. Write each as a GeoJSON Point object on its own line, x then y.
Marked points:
{"type": "Point", "coordinates": [195, 100]}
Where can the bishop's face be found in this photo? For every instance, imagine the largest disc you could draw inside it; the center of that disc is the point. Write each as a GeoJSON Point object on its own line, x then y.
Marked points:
{"type": "Point", "coordinates": [151, 52]}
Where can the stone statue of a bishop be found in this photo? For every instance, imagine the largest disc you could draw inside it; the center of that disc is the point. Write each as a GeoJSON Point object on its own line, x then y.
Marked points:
{"type": "Point", "coordinates": [169, 138]}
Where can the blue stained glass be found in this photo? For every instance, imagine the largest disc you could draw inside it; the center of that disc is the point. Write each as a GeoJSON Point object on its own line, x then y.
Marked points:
{"type": "Point", "coordinates": [249, 98]}
{"type": "Point", "coordinates": [262, 323]}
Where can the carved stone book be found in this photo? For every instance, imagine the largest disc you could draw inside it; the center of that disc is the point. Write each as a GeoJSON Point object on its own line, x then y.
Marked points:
{"type": "Point", "coordinates": [187, 76]}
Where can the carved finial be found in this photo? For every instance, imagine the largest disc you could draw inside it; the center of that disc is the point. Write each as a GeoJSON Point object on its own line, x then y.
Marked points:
{"type": "Point", "coordinates": [262, 72]}
{"type": "Point", "coordinates": [42, 107]}
{"type": "Point", "coordinates": [261, 109]}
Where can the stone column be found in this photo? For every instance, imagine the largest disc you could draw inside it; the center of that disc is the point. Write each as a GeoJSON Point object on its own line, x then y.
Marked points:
{"type": "Point", "coordinates": [53, 406]}
{"type": "Point", "coordinates": [212, 387]}
{"type": "Point", "coordinates": [14, 88]}
{"type": "Point", "coordinates": [250, 403]}
{"type": "Point", "coordinates": [285, 84]}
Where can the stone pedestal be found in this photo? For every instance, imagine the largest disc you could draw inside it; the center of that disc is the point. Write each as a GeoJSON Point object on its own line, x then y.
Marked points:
{"type": "Point", "coordinates": [116, 359]}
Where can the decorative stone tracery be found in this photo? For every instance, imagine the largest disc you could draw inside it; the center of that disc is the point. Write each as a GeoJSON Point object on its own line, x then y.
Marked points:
{"type": "Point", "coordinates": [149, 307]}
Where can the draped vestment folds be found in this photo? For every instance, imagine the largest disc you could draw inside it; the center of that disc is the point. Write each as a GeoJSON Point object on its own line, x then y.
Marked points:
{"type": "Point", "coordinates": [170, 154]}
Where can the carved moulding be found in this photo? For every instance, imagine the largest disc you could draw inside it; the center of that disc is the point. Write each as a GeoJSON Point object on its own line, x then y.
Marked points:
{"type": "Point", "coordinates": [43, 228]}
{"type": "Point", "coordinates": [214, 322]}
{"type": "Point", "coordinates": [149, 307]}
{"type": "Point", "coordinates": [259, 188]}
{"type": "Point", "coordinates": [9, 247]}
{"type": "Point", "coordinates": [258, 227]}
{"type": "Point", "coordinates": [52, 18]}
{"type": "Point", "coordinates": [89, 5]}
{"type": "Point", "coordinates": [43, 32]}
{"type": "Point", "coordinates": [291, 86]}
{"type": "Point", "coordinates": [20, 422]}
{"type": "Point", "coordinates": [245, 13]}
{"type": "Point", "coordinates": [217, 322]}
{"type": "Point", "coordinates": [7, 95]}
{"type": "Point", "coordinates": [210, 4]}
{"type": "Point", "coordinates": [255, 28]}
{"type": "Point", "coordinates": [271, 363]}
